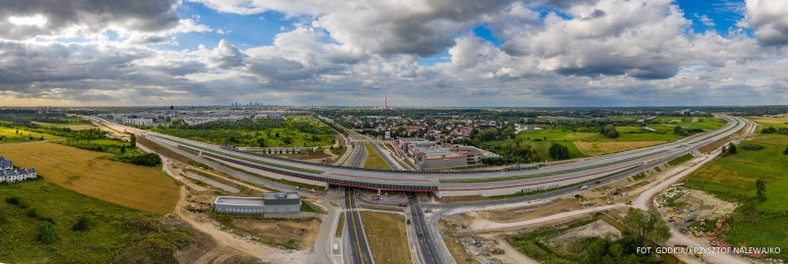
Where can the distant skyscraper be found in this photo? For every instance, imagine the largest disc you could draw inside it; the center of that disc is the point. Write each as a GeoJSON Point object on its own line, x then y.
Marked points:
{"type": "Point", "coordinates": [385, 103]}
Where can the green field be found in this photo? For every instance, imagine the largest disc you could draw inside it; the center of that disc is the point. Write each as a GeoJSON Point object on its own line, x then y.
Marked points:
{"type": "Point", "coordinates": [631, 133]}
{"type": "Point", "coordinates": [555, 135]}
{"type": "Point", "coordinates": [10, 135]}
{"type": "Point", "coordinates": [733, 177]}
{"type": "Point", "coordinates": [294, 131]}
{"type": "Point", "coordinates": [778, 122]}
{"type": "Point", "coordinates": [108, 233]}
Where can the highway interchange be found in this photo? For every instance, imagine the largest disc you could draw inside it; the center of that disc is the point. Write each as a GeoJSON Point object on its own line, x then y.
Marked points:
{"type": "Point", "coordinates": [599, 170]}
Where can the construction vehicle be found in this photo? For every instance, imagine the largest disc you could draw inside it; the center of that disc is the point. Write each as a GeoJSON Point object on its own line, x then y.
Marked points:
{"type": "Point", "coordinates": [695, 232]}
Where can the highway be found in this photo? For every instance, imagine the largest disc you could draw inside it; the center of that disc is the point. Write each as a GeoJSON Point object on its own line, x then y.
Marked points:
{"type": "Point", "coordinates": [425, 238]}
{"type": "Point", "coordinates": [455, 183]}
{"type": "Point", "coordinates": [603, 169]}
{"type": "Point", "coordinates": [360, 253]}
{"type": "Point", "coordinates": [358, 157]}
{"type": "Point", "coordinates": [472, 183]}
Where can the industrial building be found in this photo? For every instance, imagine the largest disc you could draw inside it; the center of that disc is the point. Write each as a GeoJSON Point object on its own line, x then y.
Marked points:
{"type": "Point", "coordinates": [9, 174]}
{"type": "Point", "coordinates": [269, 203]}
{"type": "Point", "coordinates": [433, 155]}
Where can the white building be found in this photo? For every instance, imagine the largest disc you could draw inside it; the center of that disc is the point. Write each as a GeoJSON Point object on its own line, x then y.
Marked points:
{"type": "Point", "coordinates": [9, 175]}
{"type": "Point", "coordinates": [274, 202]}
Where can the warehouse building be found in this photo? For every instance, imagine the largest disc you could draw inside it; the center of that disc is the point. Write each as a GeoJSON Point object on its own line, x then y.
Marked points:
{"type": "Point", "coordinates": [269, 203]}
{"type": "Point", "coordinates": [433, 155]}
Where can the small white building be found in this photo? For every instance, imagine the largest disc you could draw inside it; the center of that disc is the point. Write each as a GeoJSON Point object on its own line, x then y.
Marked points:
{"type": "Point", "coordinates": [274, 202]}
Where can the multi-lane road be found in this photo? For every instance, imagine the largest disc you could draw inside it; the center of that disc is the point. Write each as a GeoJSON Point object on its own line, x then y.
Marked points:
{"type": "Point", "coordinates": [357, 239]}
{"type": "Point", "coordinates": [457, 183]}
{"type": "Point", "coordinates": [603, 169]}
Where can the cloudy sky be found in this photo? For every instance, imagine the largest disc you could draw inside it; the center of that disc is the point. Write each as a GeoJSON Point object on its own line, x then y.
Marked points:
{"type": "Point", "coordinates": [415, 52]}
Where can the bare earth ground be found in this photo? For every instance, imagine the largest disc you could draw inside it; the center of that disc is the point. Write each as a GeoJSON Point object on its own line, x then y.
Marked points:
{"type": "Point", "coordinates": [280, 231]}
{"type": "Point", "coordinates": [704, 205]}
{"type": "Point", "coordinates": [595, 229]}
{"type": "Point", "coordinates": [601, 148]}
{"type": "Point", "coordinates": [530, 212]}
{"type": "Point", "coordinates": [90, 173]}
{"type": "Point", "coordinates": [229, 247]}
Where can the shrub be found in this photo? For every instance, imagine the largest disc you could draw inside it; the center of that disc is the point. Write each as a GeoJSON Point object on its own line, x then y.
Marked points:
{"type": "Point", "coordinates": [83, 224]}
{"type": "Point", "coordinates": [147, 159]}
{"type": "Point", "coordinates": [15, 201]}
{"type": "Point", "coordinates": [46, 232]}
{"type": "Point", "coordinates": [32, 213]}
{"type": "Point", "coordinates": [141, 224]}
{"type": "Point", "coordinates": [751, 146]}
{"type": "Point", "coordinates": [609, 131]}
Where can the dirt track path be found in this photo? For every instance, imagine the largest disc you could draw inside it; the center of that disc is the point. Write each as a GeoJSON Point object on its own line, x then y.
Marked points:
{"type": "Point", "coordinates": [227, 245]}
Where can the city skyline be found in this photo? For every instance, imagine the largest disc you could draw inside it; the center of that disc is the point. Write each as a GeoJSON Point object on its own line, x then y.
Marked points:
{"type": "Point", "coordinates": [418, 54]}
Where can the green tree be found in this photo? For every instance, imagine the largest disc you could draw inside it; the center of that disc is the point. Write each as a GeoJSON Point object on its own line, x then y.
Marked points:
{"type": "Point", "coordinates": [609, 131]}
{"type": "Point", "coordinates": [559, 152]}
{"type": "Point", "coordinates": [647, 225]}
{"type": "Point", "coordinates": [760, 190]}
{"type": "Point", "coordinates": [133, 141]}
{"type": "Point", "coordinates": [785, 151]}
{"type": "Point", "coordinates": [731, 148]}
{"type": "Point", "coordinates": [46, 232]}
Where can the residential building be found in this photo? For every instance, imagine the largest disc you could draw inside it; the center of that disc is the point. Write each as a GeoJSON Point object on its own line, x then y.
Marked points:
{"type": "Point", "coordinates": [9, 174]}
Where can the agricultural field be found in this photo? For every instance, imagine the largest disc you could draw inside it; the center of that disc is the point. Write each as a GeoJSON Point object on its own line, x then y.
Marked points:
{"type": "Point", "coordinates": [374, 160]}
{"type": "Point", "coordinates": [14, 135]}
{"type": "Point", "coordinates": [771, 121]}
{"type": "Point", "coordinates": [607, 147]}
{"type": "Point", "coordinates": [583, 142]}
{"type": "Point", "coordinates": [105, 235]}
{"type": "Point", "coordinates": [292, 132]}
{"type": "Point", "coordinates": [705, 123]}
{"type": "Point", "coordinates": [735, 175]}
{"type": "Point", "coordinates": [387, 237]}
{"type": "Point", "coordinates": [93, 174]}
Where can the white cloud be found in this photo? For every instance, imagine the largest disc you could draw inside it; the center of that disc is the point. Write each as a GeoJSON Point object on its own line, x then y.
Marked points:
{"type": "Point", "coordinates": [606, 52]}
{"type": "Point", "coordinates": [769, 19]}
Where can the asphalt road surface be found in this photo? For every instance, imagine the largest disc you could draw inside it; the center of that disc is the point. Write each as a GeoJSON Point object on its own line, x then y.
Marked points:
{"type": "Point", "coordinates": [358, 241]}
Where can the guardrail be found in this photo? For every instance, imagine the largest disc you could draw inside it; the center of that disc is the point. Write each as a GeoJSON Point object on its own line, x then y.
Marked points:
{"type": "Point", "coordinates": [378, 170]}
{"type": "Point", "coordinates": [329, 180]}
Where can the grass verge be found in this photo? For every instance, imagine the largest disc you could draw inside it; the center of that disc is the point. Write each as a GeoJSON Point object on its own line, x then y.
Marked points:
{"type": "Point", "coordinates": [386, 236]}
{"type": "Point", "coordinates": [374, 160]}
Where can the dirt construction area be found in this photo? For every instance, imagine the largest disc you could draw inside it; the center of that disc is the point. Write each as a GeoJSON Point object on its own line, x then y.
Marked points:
{"type": "Point", "coordinates": [701, 204]}
{"type": "Point", "coordinates": [595, 229]}
{"type": "Point", "coordinates": [288, 234]}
